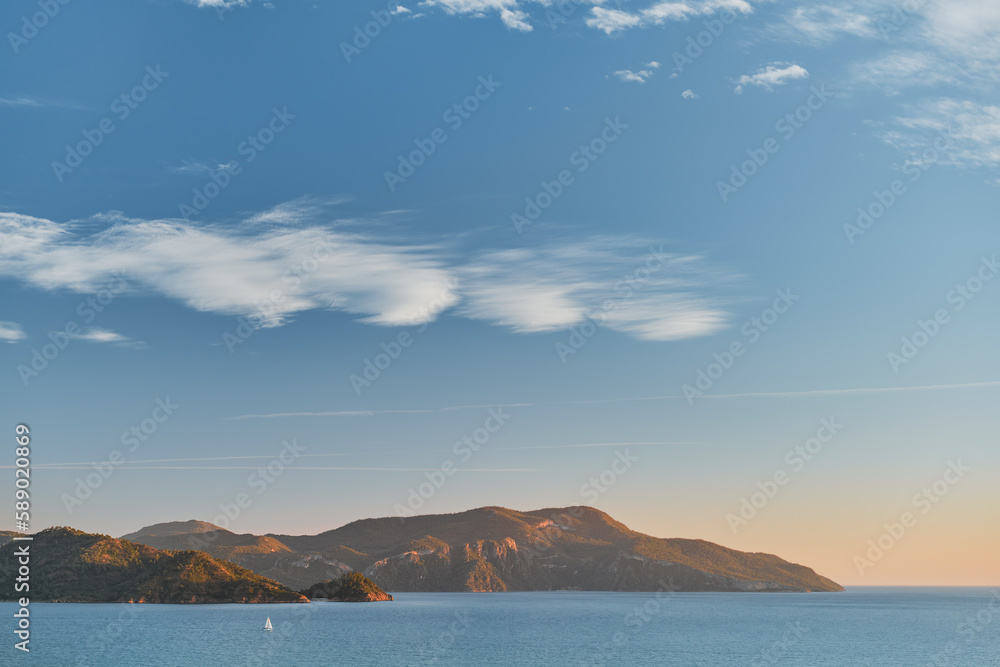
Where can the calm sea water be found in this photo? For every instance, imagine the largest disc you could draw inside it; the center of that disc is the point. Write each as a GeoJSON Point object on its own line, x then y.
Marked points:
{"type": "Point", "coordinates": [864, 626]}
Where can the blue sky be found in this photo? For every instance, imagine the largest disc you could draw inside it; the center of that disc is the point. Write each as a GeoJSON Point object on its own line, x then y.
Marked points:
{"type": "Point", "coordinates": [257, 203]}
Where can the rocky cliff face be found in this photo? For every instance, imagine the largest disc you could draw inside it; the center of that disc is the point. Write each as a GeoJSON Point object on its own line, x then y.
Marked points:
{"type": "Point", "coordinates": [496, 549]}
{"type": "Point", "coordinates": [484, 565]}
{"type": "Point", "coordinates": [487, 565]}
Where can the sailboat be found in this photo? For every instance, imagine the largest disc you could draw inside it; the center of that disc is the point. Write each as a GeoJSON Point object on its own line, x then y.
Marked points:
{"type": "Point", "coordinates": [267, 625]}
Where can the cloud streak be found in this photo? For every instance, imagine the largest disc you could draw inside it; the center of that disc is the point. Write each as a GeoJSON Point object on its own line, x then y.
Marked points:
{"type": "Point", "coordinates": [509, 11]}
{"type": "Point", "coordinates": [19, 102]}
{"type": "Point", "coordinates": [612, 21]}
{"type": "Point", "coordinates": [808, 393]}
{"type": "Point", "coordinates": [968, 131]}
{"type": "Point", "coordinates": [771, 76]}
{"type": "Point", "coordinates": [98, 335]}
{"type": "Point", "coordinates": [11, 332]}
{"type": "Point", "coordinates": [294, 259]}
{"type": "Point", "coordinates": [371, 413]}
{"type": "Point", "coordinates": [268, 457]}
{"type": "Point", "coordinates": [516, 14]}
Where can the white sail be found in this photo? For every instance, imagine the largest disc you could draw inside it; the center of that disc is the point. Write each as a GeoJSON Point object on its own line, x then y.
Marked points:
{"type": "Point", "coordinates": [267, 625]}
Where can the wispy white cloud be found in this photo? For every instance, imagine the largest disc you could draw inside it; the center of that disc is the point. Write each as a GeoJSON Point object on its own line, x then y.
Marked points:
{"type": "Point", "coordinates": [771, 76]}
{"type": "Point", "coordinates": [517, 14]}
{"type": "Point", "coordinates": [822, 24]}
{"type": "Point", "coordinates": [509, 10]}
{"type": "Point", "coordinates": [556, 287]}
{"type": "Point", "coordinates": [232, 271]}
{"type": "Point", "coordinates": [216, 4]}
{"type": "Point", "coordinates": [968, 28]}
{"type": "Point", "coordinates": [955, 40]}
{"type": "Point", "coordinates": [680, 10]}
{"type": "Point", "coordinates": [950, 47]}
{"type": "Point", "coordinates": [612, 21]}
{"type": "Point", "coordinates": [901, 69]}
{"type": "Point", "coordinates": [98, 335]}
{"type": "Point", "coordinates": [689, 94]}
{"type": "Point", "coordinates": [634, 77]}
{"type": "Point", "coordinates": [640, 76]}
{"type": "Point", "coordinates": [948, 131]}
{"type": "Point", "coordinates": [515, 20]}
{"type": "Point", "coordinates": [19, 102]}
{"type": "Point", "coordinates": [11, 332]}
{"type": "Point", "coordinates": [200, 168]}
{"type": "Point", "coordinates": [295, 211]}
{"type": "Point", "coordinates": [296, 259]}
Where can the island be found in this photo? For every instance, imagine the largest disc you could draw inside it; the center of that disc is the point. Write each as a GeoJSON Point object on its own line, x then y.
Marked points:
{"type": "Point", "coordinates": [352, 587]}
{"type": "Point", "coordinates": [70, 565]}
{"type": "Point", "coordinates": [494, 549]}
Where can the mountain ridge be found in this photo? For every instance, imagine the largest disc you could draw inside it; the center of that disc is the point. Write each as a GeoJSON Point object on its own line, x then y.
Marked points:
{"type": "Point", "coordinates": [69, 565]}
{"type": "Point", "coordinates": [495, 549]}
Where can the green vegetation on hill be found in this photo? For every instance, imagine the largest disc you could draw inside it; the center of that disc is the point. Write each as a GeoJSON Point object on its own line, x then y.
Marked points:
{"type": "Point", "coordinates": [352, 587]}
{"type": "Point", "coordinates": [69, 565]}
{"type": "Point", "coordinates": [707, 556]}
